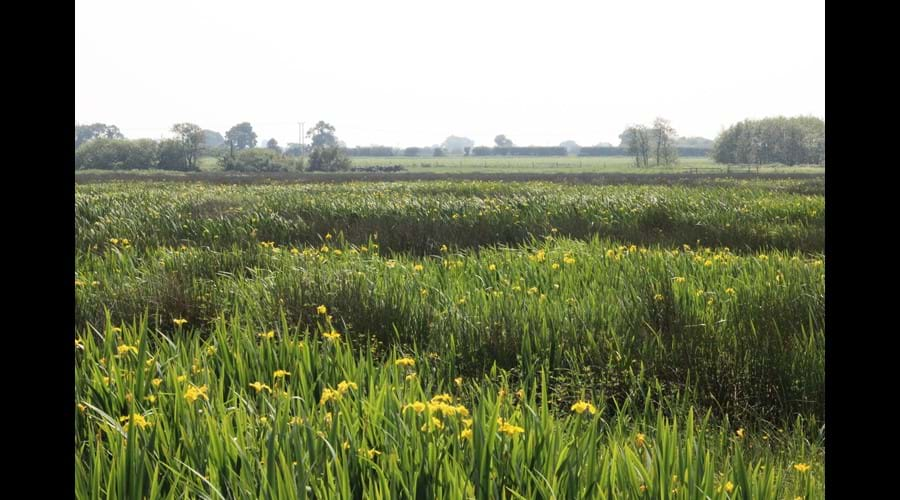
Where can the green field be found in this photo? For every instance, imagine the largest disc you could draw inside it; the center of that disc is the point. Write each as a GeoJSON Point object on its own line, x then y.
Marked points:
{"type": "Point", "coordinates": [450, 339]}
{"type": "Point", "coordinates": [537, 165]}
{"type": "Point", "coordinates": [568, 164]}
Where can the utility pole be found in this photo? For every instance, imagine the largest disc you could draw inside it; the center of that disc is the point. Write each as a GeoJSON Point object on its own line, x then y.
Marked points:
{"type": "Point", "coordinates": [301, 137]}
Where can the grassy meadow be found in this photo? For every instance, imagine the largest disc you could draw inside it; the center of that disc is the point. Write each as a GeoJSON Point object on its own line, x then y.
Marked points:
{"type": "Point", "coordinates": [450, 339]}
{"type": "Point", "coordinates": [499, 165]}
{"type": "Point", "coordinates": [567, 164]}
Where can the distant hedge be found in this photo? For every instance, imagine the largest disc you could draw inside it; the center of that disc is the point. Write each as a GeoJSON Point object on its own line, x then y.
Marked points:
{"type": "Point", "coordinates": [615, 151]}
{"type": "Point", "coordinates": [592, 151]}
{"type": "Point", "coordinates": [260, 160]}
{"type": "Point", "coordinates": [519, 151]}
{"type": "Point", "coordinates": [125, 154]}
{"type": "Point", "coordinates": [369, 151]}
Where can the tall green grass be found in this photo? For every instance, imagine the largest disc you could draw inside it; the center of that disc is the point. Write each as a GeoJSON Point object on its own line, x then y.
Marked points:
{"type": "Point", "coordinates": [703, 360]}
{"type": "Point", "coordinates": [747, 331]}
{"type": "Point", "coordinates": [419, 217]}
{"type": "Point", "coordinates": [233, 441]}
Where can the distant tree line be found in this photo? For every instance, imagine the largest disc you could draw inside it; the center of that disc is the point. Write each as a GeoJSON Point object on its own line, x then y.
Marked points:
{"type": "Point", "coordinates": [617, 151]}
{"type": "Point", "coordinates": [103, 147]}
{"type": "Point", "coordinates": [691, 151]}
{"type": "Point", "coordinates": [324, 153]}
{"type": "Point", "coordinates": [120, 154]}
{"type": "Point", "coordinates": [436, 150]}
{"type": "Point", "coordinates": [791, 141]}
{"type": "Point", "coordinates": [519, 151]}
{"type": "Point", "coordinates": [370, 151]}
{"type": "Point", "coordinates": [694, 142]}
{"type": "Point", "coordinates": [114, 152]}
{"type": "Point", "coordinates": [602, 151]}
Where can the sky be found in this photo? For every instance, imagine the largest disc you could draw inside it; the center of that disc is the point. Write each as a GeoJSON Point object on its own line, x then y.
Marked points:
{"type": "Point", "coordinates": [411, 73]}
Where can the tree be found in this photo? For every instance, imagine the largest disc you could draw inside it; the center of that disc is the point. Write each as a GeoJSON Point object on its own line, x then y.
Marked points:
{"type": "Point", "coordinates": [84, 133]}
{"type": "Point", "coordinates": [791, 141]}
{"type": "Point", "coordinates": [637, 139]}
{"type": "Point", "coordinates": [467, 149]}
{"type": "Point", "coordinates": [664, 136]}
{"type": "Point", "coordinates": [322, 135]}
{"type": "Point", "coordinates": [191, 138]}
{"type": "Point", "coordinates": [326, 154]}
{"type": "Point", "coordinates": [171, 155]}
{"type": "Point", "coordinates": [213, 144]}
{"type": "Point", "coordinates": [112, 132]}
{"type": "Point", "coordinates": [240, 136]}
{"type": "Point", "coordinates": [273, 145]}
{"type": "Point", "coordinates": [439, 151]}
{"type": "Point", "coordinates": [456, 145]}
{"type": "Point", "coordinates": [328, 159]}
{"type": "Point", "coordinates": [502, 142]}
{"type": "Point", "coordinates": [212, 139]}
{"type": "Point", "coordinates": [293, 149]}
{"type": "Point", "coordinates": [572, 147]}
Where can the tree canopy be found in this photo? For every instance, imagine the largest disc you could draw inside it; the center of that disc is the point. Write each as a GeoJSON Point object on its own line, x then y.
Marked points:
{"type": "Point", "coordinates": [212, 139]}
{"type": "Point", "coordinates": [84, 133]}
{"type": "Point", "coordinates": [791, 141]}
{"type": "Point", "coordinates": [241, 136]}
{"type": "Point", "coordinates": [322, 135]}
{"type": "Point", "coordinates": [191, 137]}
{"type": "Point", "coordinates": [326, 154]}
{"type": "Point", "coordinates": [572, 147]}
{"type": "Point", "coordinates": [457, 145]}
{"type": "Point", "coordinates": [503, 142]}
{"type": "Point", "coordinates": [658, 141]}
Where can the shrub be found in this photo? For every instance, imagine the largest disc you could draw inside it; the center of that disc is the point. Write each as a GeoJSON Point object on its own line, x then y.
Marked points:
{"type": "Point", "coordinates": [260, 160]}
{"type": "Point", "coordinates": [116, 154]}
{"type": "Point", "coordinates": [328, 159]}
{"type": "Point", "coordinates": [172, 155]}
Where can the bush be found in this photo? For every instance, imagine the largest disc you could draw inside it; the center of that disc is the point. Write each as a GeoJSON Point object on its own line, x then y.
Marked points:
{"type": "Point", "coordinates": [260, 160]}
{"type": "Point", "coordinates": [116, 154]}
{"type": "Point", "coordinates": [172, 156]}
{"type": "Point", "coordinates": [328, 159]}
{"type": "Point", "coordinates": [143, 154]}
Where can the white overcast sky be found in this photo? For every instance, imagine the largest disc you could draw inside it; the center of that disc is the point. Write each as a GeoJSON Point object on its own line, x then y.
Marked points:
{"type": "Point", "coordinates": [410, 73]}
